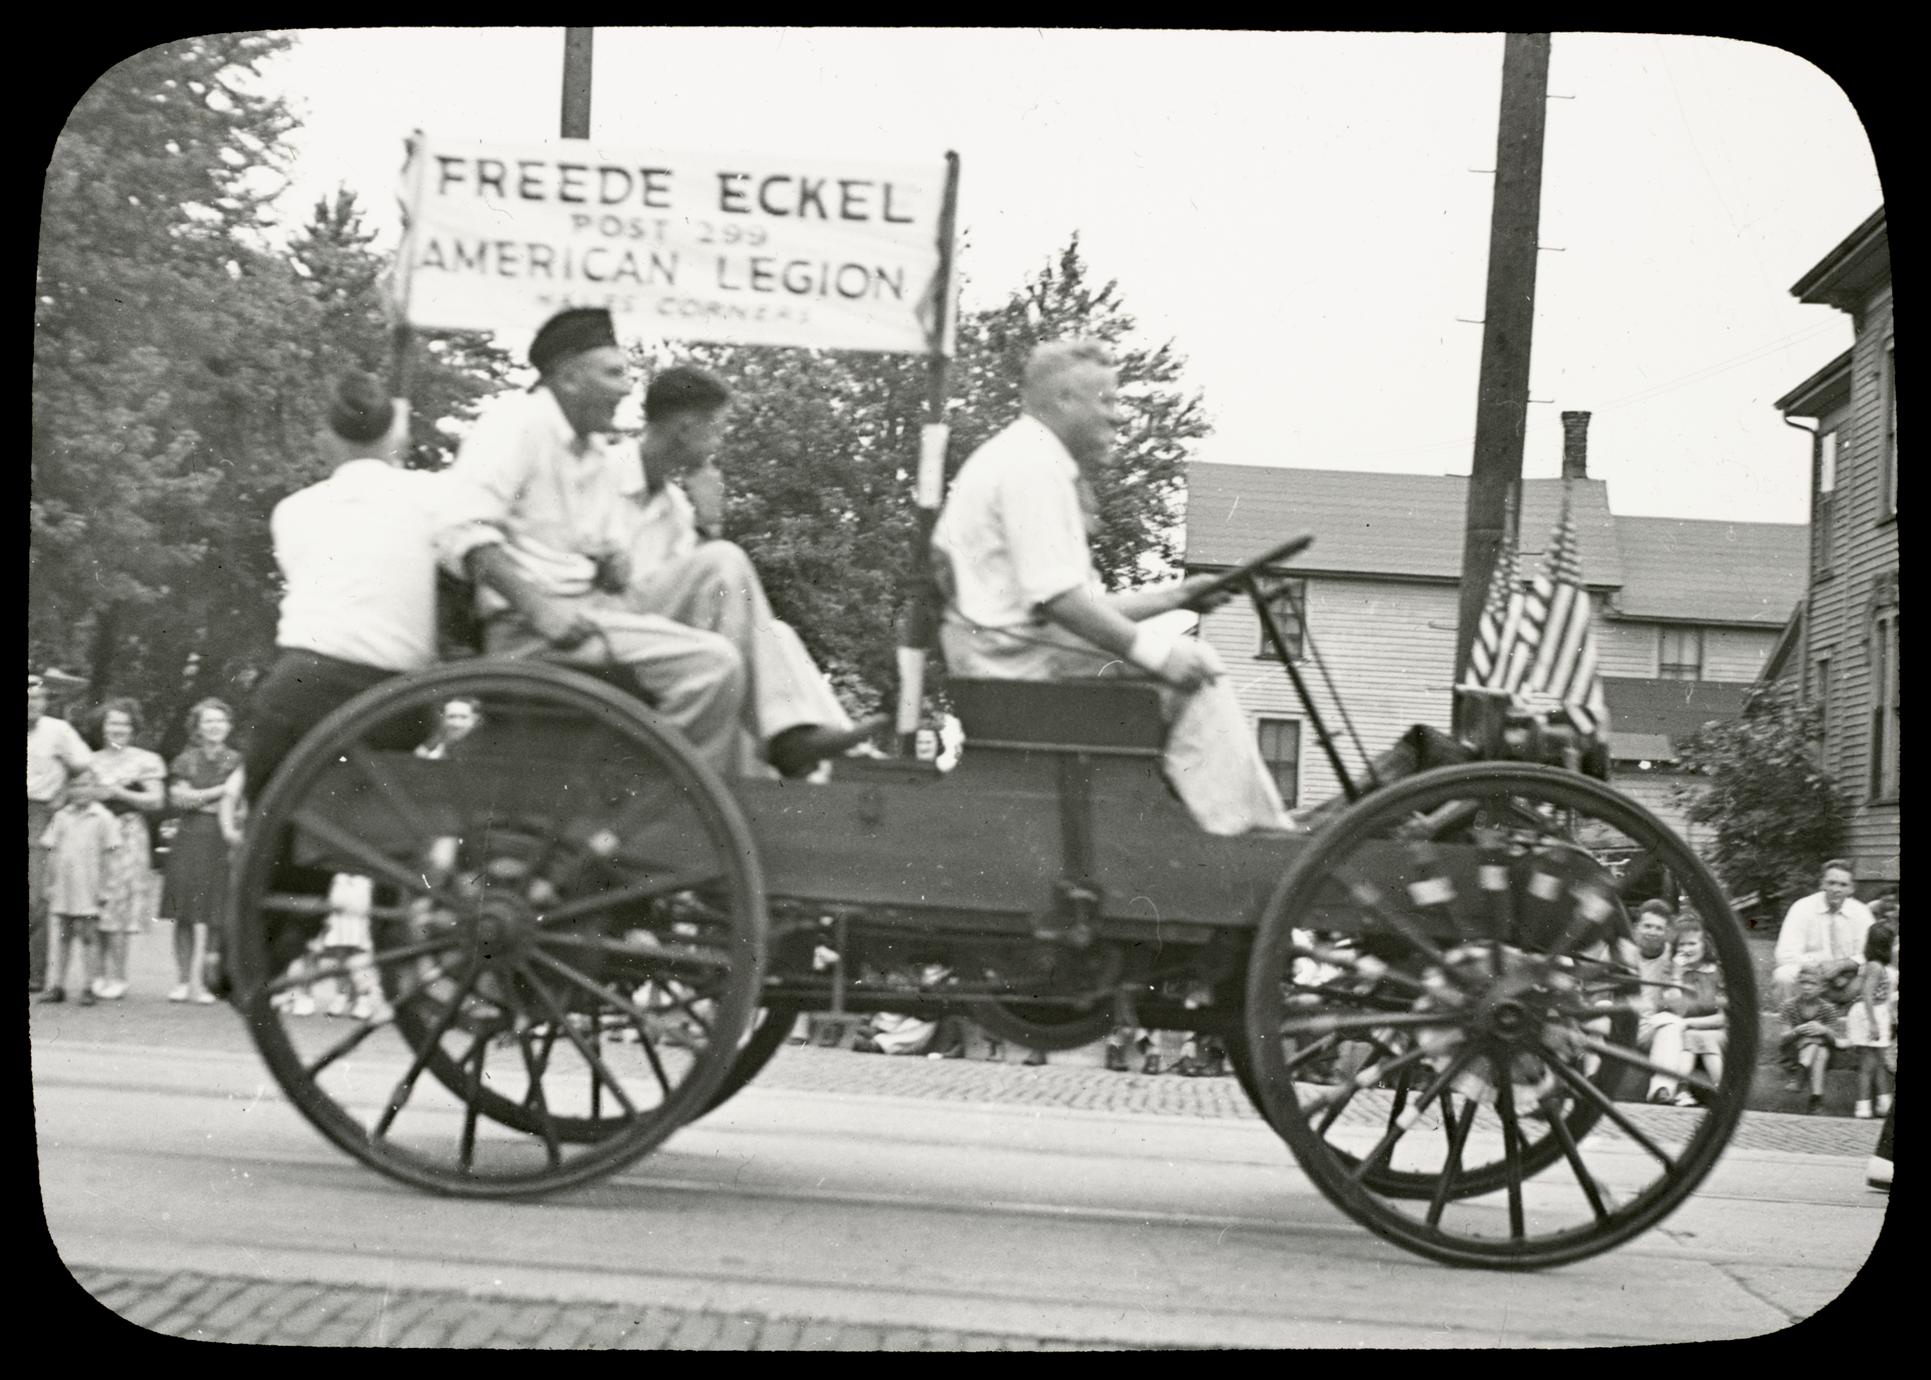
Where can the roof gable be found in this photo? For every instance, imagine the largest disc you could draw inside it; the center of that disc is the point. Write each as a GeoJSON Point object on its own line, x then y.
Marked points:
{"type": "Point", "coordinates": [1684, 570]}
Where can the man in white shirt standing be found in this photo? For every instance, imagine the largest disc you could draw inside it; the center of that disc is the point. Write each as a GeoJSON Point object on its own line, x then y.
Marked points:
{"type": "Point", "coordinates": [547, 547]}
{"type": "Point", "coordinates": [1828, 925]}
{"type": "Point", "coordinates": [682, 569]}
{"type": "Point", "coordinates": [1025, 602]}
{"type": "Point", "coordinates": [55, 755]}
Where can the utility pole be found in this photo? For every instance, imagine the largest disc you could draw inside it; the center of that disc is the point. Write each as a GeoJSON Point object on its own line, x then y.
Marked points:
{"type": "Point", "coordinates": [1501, 411]}
{"type": "Point", "coordinates": [576, 83]}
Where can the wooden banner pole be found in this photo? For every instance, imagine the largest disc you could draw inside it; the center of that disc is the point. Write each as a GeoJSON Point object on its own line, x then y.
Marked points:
{"type": "Point", "coordinates": [918, 624]}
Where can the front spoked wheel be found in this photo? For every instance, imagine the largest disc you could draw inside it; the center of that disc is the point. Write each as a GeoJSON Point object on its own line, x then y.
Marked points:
{"type": "Point", "coordinates": [565, 946]}
{"type": "Point", "coordinates": [1445, 1005]}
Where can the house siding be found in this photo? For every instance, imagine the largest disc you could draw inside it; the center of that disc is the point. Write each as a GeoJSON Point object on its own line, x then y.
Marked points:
{"type": "Point", "coordinates": [1845, 592]}
{"type": "Point", "coordinates": [1625, 648]}
{"type": "Point", "coordinates": [1389, 647]}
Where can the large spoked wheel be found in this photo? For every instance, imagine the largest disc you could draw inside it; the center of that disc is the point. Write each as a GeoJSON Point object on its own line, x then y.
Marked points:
{"type": "Point", "coordinates": [1445, 1001]}
{"type": "Point", "coordinates": [566, 943]}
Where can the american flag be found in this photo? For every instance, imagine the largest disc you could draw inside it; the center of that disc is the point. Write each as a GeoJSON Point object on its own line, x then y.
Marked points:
{"type": "Point", "coordinates": [1501, 622]}
{"type": "Point", "coordinates": [1557, 664]}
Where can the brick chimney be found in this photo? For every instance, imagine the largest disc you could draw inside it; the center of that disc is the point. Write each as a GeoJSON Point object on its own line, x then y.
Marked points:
{"type": "Point", "coordinates": [1575, 445]}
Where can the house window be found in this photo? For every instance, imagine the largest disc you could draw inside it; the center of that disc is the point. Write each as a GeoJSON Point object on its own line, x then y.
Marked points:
{"type": "Point", "coordinates": [1886, 706]}
{"type": "Point", "coordinates": [1280, 744]}
{"type": "Point", "coordinates": [1287, 601]}
{"type": "Point", "coordinates": [1679, 654]}
{"type": "Point", "coordinates": [1826, 507]}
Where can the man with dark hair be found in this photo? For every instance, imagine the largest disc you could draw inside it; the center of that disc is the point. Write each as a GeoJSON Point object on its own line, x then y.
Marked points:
{"type": "Point", "coordinates": [1659, 1031]}
{"type": "Point", "coordinates": [55, 755]}
{"type": "Point", "coordinates": [1828, 926]}
{"type": "Point", "coordinates": [681, 568]}
{"type": "Point", "coordinates": [547, 544]}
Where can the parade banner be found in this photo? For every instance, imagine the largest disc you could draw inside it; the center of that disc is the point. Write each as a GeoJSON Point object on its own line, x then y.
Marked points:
{"type": "Point", "coordinates": [721, 247]}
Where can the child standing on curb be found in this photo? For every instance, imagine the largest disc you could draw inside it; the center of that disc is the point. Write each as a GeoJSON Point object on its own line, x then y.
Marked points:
{"type": "Point", "coordinates": [79, 839]}
{"type": "Point", "coordinates": [1867, 1027]}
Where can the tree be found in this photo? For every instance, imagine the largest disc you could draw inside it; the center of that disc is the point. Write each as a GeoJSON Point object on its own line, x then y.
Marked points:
{"type": "Point", "coordinates": [823, 456]}
{"type": "Point", "coordinates": [1776, 815]}
{"type": "Point", "coordinates": [180, 363]}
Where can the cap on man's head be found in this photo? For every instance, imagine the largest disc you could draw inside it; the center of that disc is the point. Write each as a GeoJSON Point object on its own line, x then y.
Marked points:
{"type": "Point", "coordinates": [571, 332]}
{"type": "Point", "coordinates": [55, 680]}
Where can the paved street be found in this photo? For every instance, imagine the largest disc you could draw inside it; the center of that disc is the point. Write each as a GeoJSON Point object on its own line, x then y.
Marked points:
{"type": "Point", "coordinates": [857, 1201]}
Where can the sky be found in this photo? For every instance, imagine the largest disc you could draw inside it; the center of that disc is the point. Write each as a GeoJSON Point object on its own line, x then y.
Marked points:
{"type": "Point", "coordinates": [1304, 215]}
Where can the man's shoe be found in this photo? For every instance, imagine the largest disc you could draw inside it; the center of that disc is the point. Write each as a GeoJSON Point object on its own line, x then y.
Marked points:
{"type": "Point", "coordinates": [53, 994]}
{"type": "Point", "coordinates": [1877, 1173]}
{"type": "Point", "coordinates": [86, 997]}
{"type": "Point", "coordinates": [797, 751]}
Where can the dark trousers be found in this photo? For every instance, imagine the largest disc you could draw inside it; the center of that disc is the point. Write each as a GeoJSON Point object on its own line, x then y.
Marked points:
{"type": "Point", "coordinates": [39, 814]}
{"type": "Point", "coordinates": [298, 692]}
{"type": "Point", "coordinates": [1883, 1151]}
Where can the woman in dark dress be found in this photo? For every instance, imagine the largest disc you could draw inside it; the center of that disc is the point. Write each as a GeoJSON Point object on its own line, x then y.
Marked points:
{"type": "Point", "coordinates": [197, 878]}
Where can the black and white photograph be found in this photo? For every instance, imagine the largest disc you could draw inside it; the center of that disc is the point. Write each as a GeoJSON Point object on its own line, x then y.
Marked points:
{"type": "Point", "coordinates": [962, 689]}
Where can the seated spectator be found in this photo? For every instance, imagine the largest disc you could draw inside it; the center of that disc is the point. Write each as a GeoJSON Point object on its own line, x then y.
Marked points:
{"type": "Point", "coordinates": [460, 717]}
{"type": "Point", "coordinates": [1827, 925]}
{"type": "Point", "coordinates": [1659, 1030]}
{"type": "Point", "coordinates": [1700, 1000]}
{"type": "Point", "coordinates": [1812, 1029]}
{"type": "Point", "coordinates": [1867, 1025]}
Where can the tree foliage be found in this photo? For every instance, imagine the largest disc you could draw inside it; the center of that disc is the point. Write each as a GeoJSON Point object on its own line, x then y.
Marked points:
{"type": "Point", "coordinates": [180, 360]}
{"type": "Point", "coordinates": [823, 456]}
{"type": "Point", "coordinates": [1775, 814]}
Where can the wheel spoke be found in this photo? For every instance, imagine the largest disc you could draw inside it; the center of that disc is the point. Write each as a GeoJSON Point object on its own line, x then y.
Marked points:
{"type": "Point", "coordinates": [364, 1029]}
{"type": "Point", "coordinates": [343, 967]}
{"type": "Point", "coordinates": [1435, 890]}
{"type": "Point", "coordinates": [684, 1004]}
{"type": "Point", "coordinates": [1590, 1189]}
{"type": "Point", "coordinates": [1373, 1073]}
{"type": "Point", "coordinates": [1511, 1141]}
{"type": "Point", "coordinates": [400, 1094]}
{"type": "Point", "coordinates": [472, 1079]}
{"type": "Point", "coordinates": [374, 862]}
{"type": "Point", "coordinates": [1609, 1109]}
{"type": "Point", "coordinates": [1326, 1024]}
{"type": "Point", "coordinates": [1370, 969]}
{"type": "Point", "coordinates": [1367, 895]}
{"type": "Point", "coordinates": [1337, 1098]}
{"type": "Point", "coordinates": [1458, 1129]}
{"type": "Point", "coordinates": [671, 955]}
{"type": "Point", "coordinates": [536, 1102]}
{"type": "Point", "coordinates": [598, 1069]}
{"type": "Point", "coordinates": [393, 793]}
{"type": "Point", "coordinates": [1643, 1061]}
{"type": "Point", "coordinates": [625, 896]}
{"type": "Point", "coordinates": [1403, 1124]}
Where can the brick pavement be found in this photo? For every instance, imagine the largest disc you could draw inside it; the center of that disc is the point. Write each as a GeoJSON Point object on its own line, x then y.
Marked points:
{"type": "Point", "coordinates": [224, 1309]}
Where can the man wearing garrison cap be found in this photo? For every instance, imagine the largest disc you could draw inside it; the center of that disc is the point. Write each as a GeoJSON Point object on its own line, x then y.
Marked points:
{"type": "Point", "coordinates": [546, 541]}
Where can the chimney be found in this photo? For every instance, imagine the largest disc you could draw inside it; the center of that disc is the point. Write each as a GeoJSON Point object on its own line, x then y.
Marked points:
{"type": "Point", "coordinates": [1575, 445]}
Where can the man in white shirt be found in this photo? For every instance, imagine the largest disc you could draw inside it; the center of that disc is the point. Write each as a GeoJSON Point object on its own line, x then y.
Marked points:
{"type": "Point", "coordinates": [1025, 602]}
{"type": "Point", "coordinates": [357, 553]}
{"type": "Point", "coordinates": [55, 755]}
{"type": "Point", "coordinates": [710, 583]}
{"type": "Point", "coordinates": [1826, 926]}
{"type": "Point", "coordinates": [547, 544]}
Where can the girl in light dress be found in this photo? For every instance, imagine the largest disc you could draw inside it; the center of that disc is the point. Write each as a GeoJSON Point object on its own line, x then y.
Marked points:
{"type": "Point", "coordinates": [1700, 1000]}
{"type": "Point", "coordinates": [131, 780]}
{"type": "Point", "coordinates": [1867, 1025]}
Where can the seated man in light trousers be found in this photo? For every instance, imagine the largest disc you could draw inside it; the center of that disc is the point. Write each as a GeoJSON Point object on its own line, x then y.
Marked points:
{"type": "Point", "coordinates": [707, 583]}
{"type": "Point", "coordinates": [1025, 602]}
{"type": "Point", "coordinates": [547, 546]}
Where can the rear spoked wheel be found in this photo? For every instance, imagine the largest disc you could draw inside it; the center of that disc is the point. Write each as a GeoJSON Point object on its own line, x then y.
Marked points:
{"type": "Point", "coordinates": [1444, 1003]}
{"type": "Point", "coordinates": [566, 946]}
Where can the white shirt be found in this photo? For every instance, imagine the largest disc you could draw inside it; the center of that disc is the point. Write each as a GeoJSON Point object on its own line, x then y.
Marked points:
{"type": "Point", "coordinates": [664, 524]}
{"type": "Point", "coordinates": [54, 753]}
{"type": "Point", "coordinates": [1811, 933]}
{"type": "Point", "coordinates": [548, 496]}
{"type": "Point", "coordinates": [358, 553]}
{"type": "Point", "coordinates": [1012, 528]}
